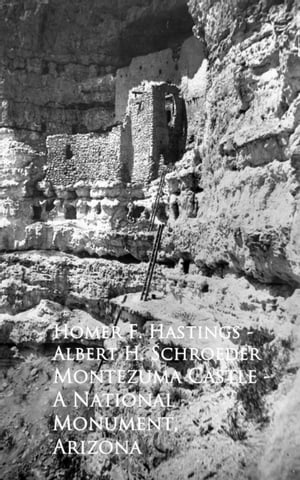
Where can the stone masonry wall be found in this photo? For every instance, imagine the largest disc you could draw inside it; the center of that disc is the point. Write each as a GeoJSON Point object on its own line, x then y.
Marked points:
{"type": "Point", "coordinates": [132, 151]}
{"type": "Point", "coordinates": [58, 61]}
{"type": "Point", "coordinates": [88, 158]}
{"type": "Point", "coordinates": [141, 113]}
{"type": "Point", "coordinates": [168, 133]}
{"type": "Point", "coordinates": [160, 134]}
{"type": "Point", "coordinates": [152, 137]}
{"type": "Point", "coordinates": [184, 67]}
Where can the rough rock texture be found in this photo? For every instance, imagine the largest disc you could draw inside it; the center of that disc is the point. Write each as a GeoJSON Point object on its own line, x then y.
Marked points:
{"type": "Point", "coordinates": [221, 430]}
{"type": "Point", "coordinates": [36, 327]}
{"type": "Point", "coordinates": [285, 440]}
{"type": "Point", "coordinates": [232, 203]}
{"type": "Point", "coordinates": [243, 203]}
{"type": "Point", "coordinates": [21, 168]}
{"type": "Point", "coordinates": [86, 283]}
{"type": "Point", "coordinates": [249, 191]}
{"type": "Point", "coordinates": [58, 74]}
{"type": "Point", "coordinates": [63, 56]}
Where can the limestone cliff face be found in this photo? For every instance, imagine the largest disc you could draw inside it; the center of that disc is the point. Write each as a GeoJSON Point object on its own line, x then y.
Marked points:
{"type": "Point", "coordinates": [59, 74]}
{"type": "Point", "coordinates": [248, 210]}
{"type": "Point", "coordinates": [58, 59]}
{"type": "Point", "coordinates": [68, 69]}
{"type": "Point", "coordinates": [230, 201]}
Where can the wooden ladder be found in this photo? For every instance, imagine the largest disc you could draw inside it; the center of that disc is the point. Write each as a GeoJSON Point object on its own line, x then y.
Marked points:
{"type": "Point", "coordinates": [151, 266]}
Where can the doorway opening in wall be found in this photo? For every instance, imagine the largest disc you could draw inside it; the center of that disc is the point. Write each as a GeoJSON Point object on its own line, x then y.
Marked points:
{"type": "Point", "coordinates": [36, 212]}
{"type": "Point", "coordinates": [170, 108]}
{"type": "Point", "coordinates": [175, 210]}
{"type": "Point", "coordinates": [169, 116]}
{"type": "Point", "coordinates": [186, 265]}
{"type": "Point", "coordinates": [98, 208]}
{"type": "Point", "coordinates": [49, 205]}
{"type": "Point", "coordinates": [70, 212]}
{"type": "Point", "coordinates": [69, 153]}
{"type": "Point", "coordinates": [140, 106]}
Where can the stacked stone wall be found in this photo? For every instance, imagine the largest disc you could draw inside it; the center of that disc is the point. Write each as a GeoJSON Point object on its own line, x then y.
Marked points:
{"type": "Point", "coordinates": [131, 152]}
{"type": "Point", "coordinates": [167, 135]}
{"type": "Point", "coordinates": [160, 129]}
{"type": "Point", "coordinates": [152, 137]}
{"type": "Point", "coordinates": [87, 158]}
{"type": "Point", "coordinates": [141, 113]}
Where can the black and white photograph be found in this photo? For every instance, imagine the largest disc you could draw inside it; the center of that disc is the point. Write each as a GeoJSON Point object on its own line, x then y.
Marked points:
{"type": "Point", "coordinates": [149, 239]}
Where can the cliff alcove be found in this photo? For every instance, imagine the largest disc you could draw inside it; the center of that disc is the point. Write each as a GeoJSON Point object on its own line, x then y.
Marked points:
{"type": "Point", "coordinates": [99, 101]}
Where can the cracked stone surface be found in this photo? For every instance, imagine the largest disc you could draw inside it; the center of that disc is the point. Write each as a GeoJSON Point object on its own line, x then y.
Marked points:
{"type": "Point", "coordinates": [230, 252]}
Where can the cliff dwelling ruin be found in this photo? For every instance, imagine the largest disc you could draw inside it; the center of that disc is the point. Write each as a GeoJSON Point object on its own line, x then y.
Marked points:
{"type": "Point", "coordinates": [150, 192]}
{"type": "Point", "coordinates": [83, 170]}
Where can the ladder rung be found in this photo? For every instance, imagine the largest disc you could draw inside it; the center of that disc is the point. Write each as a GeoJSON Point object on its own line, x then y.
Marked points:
{"type": "Point", "coordinates": [152, 262]}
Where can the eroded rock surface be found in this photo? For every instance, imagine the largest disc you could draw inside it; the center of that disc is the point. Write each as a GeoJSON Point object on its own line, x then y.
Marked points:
{"type": "Point", "coordinates": [248, 204]}
{"type": "Point", "coordinates": [230, 201]}
{"type": "Point", "coordinates": [231, 423]}
{"type": "Point", "coordinates": [28, 278]}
